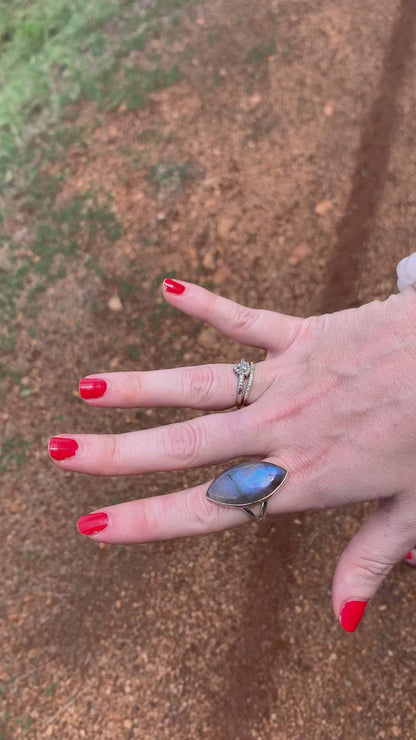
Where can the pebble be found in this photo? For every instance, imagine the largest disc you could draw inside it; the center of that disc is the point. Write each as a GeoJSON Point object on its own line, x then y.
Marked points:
{"type": "Point", "coordinates": [299, 253]}
{"type": "Point", "coordinates": [323, 207]}
{"type": "Point", "coordinates": [224, 226]}
{"type": "Point", "coordinates": [208, 260]}
{"type": "Point", "coordinates": [114, 304]}
{"type": "Point", "coordinates": [329, 108]}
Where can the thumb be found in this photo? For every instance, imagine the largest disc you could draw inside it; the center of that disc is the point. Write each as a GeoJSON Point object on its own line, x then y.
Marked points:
{"type": "Point", "coordinates": [383, 540]}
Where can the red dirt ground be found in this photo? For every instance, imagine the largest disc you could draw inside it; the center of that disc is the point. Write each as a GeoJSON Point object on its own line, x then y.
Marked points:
{"type": "Point", "coordinates": [298, 194]}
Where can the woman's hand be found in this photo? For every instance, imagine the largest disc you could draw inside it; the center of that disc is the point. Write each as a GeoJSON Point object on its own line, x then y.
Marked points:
{"type": "Point", "coordinates": [334, 403]}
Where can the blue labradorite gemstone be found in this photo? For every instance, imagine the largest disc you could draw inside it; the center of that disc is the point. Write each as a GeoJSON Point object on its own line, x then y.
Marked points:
{"type": "Point", "coordinates": [246, 483]}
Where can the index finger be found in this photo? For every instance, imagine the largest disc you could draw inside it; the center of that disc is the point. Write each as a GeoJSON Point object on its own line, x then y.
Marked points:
{"type": "Point", "coordinates": [255, 327]}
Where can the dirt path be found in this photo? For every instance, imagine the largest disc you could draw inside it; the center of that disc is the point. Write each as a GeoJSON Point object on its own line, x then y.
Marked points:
{"type": "Point", "coordinates": [279, 172]}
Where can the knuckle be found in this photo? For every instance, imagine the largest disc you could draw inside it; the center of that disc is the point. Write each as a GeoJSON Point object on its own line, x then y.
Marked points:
{"type": "Point", "coordinates": [369, 569]}
{"type": "Point", "coordinates": [198, 384]}
{"type": "Point", "coordinates": [136, 390]}
{"type": "Point", "coordinates": [112, 454]}
{"type": "Point", "coordinates": [245, 318]}
{"type": "Point", "coordinates": [183, 442]}
{"type": "Point", "coordinates": [203, 515]}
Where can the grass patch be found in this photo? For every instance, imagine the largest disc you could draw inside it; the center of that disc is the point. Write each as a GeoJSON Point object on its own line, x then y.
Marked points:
{"type": "Point", "coordinates": [135, 87]}
{"type": "Point", "coordinates": [53, 53]}
{"type": "Point", "coordinates": [13, 452]}
{"type": "Point", "coordinates": [260, 52]}
{"type": "Point", "coordinates": [133, 351]}
{"type": "Point", "coordinates": [50, 690]}
{"type": "Point", "coordinates": [57, 238]}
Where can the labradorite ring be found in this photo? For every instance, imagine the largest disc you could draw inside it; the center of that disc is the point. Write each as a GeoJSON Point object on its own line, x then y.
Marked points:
{"type": "Point", "coordinates": [246, 484]}
{"type": "Point", "coordinates": [245, 372]}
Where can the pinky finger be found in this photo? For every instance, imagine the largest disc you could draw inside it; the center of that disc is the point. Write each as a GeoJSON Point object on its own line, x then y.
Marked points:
{"type": "Point", "coordinates": [181, 514]}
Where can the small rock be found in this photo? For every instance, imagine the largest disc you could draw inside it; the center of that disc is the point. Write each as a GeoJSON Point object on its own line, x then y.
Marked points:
{"type": "Point", "coordinates": [323, 207]}
{"type": "Point", "coordinates": [254, 100]}
{"type": "Point", "coordinates": [208, 260]}
{"type": "Point", "coordinates": [112, 133]}
{"type": "Point", "coordinates": [299, 253]}
{"type": "Point", "coordinates": [396, 731]}
{"type": "Point", "coordinates": [329, 108]}
{"type": "Point", "coordinates": [114, 304]}
{"type": "Point", "coordinates": [224, 226]}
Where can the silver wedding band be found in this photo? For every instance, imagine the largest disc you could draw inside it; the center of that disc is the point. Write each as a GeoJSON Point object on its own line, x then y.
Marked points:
{"type": "Point", "coordinates": [245, 373]}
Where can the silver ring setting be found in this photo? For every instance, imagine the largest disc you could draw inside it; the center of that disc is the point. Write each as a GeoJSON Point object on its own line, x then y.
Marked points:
{"type": "Point", "coordinates": [246, 485]}
{"type": "Point", "coordinates": [245, 372]}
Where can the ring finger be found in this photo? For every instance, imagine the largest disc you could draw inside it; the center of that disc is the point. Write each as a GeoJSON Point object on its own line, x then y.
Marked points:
{"type": "Point", "coordinates": [211, 387]}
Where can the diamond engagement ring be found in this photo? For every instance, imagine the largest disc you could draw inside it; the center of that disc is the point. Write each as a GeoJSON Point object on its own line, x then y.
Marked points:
{"type": "Point", "coordinates": [245, 372]}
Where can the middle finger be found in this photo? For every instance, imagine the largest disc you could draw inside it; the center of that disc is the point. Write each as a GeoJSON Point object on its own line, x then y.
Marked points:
{"type": "Point", "coordinates": [202, 441]}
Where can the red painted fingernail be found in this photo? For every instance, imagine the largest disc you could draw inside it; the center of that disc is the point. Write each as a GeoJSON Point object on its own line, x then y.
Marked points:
{"type": "Point", "coordinates": [92, 523]}
{"type": "Point", "coordinates": [92, 387]}
{"type": "Point", "coordinates": [172, 286]}
{"type": "Point", "coordinates": [61, 447]}
{"type": "Point", "coordinates": [409, 556]}
{"type": "Point", "coordinates": [351, 614]}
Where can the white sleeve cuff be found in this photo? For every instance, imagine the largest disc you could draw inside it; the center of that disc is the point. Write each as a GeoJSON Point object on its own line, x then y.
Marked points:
{"type": "Point", "coordinates": [406, 272]}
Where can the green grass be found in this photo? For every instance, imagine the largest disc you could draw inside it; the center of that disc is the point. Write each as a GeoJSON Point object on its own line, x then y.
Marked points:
{"type": "Point", "coordinates": [259, 53]}
{"type": "Point", "coordinates": [57, 237]}
{"type": "Point", "coordinates": [53, 53]}
{"type": "Point", "coordinates": [13, 451]}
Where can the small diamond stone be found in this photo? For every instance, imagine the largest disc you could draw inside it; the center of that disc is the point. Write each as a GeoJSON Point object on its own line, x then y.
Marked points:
{"type": "Point", "coordinates": [242, 369]}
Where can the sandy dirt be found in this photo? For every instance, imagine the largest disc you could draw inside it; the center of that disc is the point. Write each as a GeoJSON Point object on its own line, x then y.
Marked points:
{"type": "Point", "coordinates": [291, 143]}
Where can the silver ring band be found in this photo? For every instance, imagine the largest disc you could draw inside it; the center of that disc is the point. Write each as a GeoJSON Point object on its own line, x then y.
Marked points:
{"type": "Point", "coordinates": [245, 372]}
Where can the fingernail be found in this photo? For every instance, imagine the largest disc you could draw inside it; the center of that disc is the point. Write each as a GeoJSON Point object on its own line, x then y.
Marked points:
{"type": "Point", "coordinates": [409, 556]}
{"type": "Point", "coordinates": [61, 447]}
{"type": "Point", "coordinates": [351, 614]}
{"type": "Point", "coordinates": [172, 286]}
{"type": "Point", "coordinates": [93, 523]}
{"type": "Point", "coordinates": [92, 387]}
